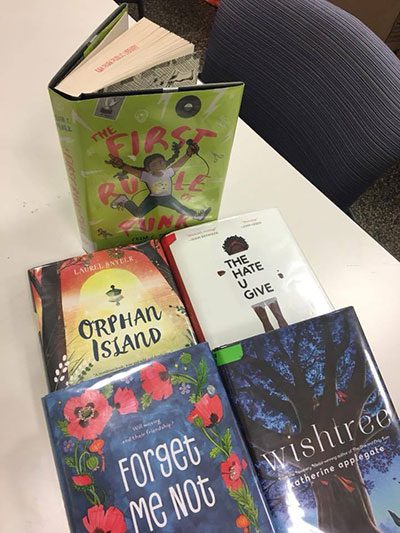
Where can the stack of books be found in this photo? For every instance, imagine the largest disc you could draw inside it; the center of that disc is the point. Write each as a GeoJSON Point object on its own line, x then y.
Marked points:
{"type": "Point", "coordinates": [198, 374]}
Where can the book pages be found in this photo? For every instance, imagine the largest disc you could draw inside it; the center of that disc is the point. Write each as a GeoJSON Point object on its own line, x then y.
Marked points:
{"type": "Point", "coordinates": [120, 27]}
{"type": "Point", "coordinates": [141, 47]}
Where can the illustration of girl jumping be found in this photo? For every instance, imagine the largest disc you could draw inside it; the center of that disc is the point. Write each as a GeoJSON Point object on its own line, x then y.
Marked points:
{"type": "Point", "coordinates": [156, 173]}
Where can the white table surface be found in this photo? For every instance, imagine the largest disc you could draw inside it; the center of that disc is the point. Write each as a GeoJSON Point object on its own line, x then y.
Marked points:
{"type": "Point", "coordinates": [38, 226]}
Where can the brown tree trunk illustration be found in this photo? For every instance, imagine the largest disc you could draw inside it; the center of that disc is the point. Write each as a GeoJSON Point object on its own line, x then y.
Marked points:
{"type": "Point", "coordinates": [344, 510]}
{"type": "Point", "coordinates": [158, 261]}
{"type": "Point", "coordinates": [52, 331]}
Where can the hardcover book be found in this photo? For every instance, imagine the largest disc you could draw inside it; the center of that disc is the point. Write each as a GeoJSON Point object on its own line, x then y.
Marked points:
{"type": "Point", "coordinates": [145, 149]}
{"type": "Point", "coordinates": [106, 310]}
{"type": "Point", "coordinates": [257, 278]}
{"type": "Point", "coordinates": [154, 447]}
{"type": "Point", "coordinates": [322, 430]}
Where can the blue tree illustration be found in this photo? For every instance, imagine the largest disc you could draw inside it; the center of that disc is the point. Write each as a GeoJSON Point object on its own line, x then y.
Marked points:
{"type": "Point", "coordinates": [307, 378]}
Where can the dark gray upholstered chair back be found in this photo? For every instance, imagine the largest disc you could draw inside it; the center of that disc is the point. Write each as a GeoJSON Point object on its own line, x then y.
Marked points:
{"type": "Point", "coordinates": [321, 88]}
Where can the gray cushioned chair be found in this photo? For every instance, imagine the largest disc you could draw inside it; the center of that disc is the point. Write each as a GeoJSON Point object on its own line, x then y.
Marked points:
{"type": "Point", "coordinates": [321, 88]}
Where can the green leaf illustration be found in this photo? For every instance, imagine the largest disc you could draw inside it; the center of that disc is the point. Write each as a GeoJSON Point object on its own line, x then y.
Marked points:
{"type": "Point", "coordinates": [62, 426]}
{"type": "Point", "coordinates": [201, 375]}
{"type": "Point", "coordinates": [198, 422]}
{"type": "Point", "coordinates": [186, 358]}
{"type": "Point", "coordinates": [92, 462]}
{"type": "Point", "coordinates": [70, 461]}
{"type": "Point", "coordinates": [245, 504]}
{"type": "Point", "coordinates": [193, 398]}
{"type": "Point", "coordinates": [177, 380]}
{"type": "Point", "coordinates": [146, 400]}
{"type": "Point", "coordinates": [239, 495]}
{"type": "Point", "coordinates": [226, 441]}
{"type": "Point", "coordinates": [107, 391]}
{"type": "Point", "coordinates": [214, 452]}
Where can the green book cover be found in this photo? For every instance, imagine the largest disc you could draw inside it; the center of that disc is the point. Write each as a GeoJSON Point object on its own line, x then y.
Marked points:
{"type": "Point", "coordinates": [143, 163]}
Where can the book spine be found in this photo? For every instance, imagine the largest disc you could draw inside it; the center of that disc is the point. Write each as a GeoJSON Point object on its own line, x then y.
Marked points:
{"type": "Point", "coordinates": [166, 245]}
{"type": "Point", "coordinates": [36, 290]}
{"type": "Point", "coordinates": [64, 112]}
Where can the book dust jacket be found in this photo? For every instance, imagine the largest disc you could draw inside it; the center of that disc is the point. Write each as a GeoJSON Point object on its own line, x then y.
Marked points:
{"type": "Point", "coordinates": [154, 447]}
{"type": "Point", "coordinates": [104, 311]}
{"type": "Point", "coordinates": [143, 163]}
{"type": "Point", "coordinates": [322, 430]}
{"type": "Point", "coordinates": [257, 277]}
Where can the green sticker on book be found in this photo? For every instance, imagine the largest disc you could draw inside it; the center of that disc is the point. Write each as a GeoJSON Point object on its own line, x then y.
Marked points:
{"type": "Point", "coordinates": [229, 354]}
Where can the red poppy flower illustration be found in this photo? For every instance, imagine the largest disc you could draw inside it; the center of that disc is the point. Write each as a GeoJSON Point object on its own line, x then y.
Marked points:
{"type": "Point", "coordinates": [242, 522]}
{"type": "Point", "coordinates": [209, 409]}
{"type": "Point", "coordinates": [231, 470]}
{"type": "Point", "coordinates": [125, 401]}
{"type": "Point", "coordinates": [99, 521]}
{"type": "Point", "coordinates": [97, 446]}
{"type": "Point", "coordinates": [87, 414]}
{"type": "Point", "coordinates": [82, 481]}
{"type": "Point", "coordinates": [156, 381]}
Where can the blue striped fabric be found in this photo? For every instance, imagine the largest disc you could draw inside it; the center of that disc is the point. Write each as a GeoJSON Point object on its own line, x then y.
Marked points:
{"type": "Point", "coordinates": [321, 88]}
